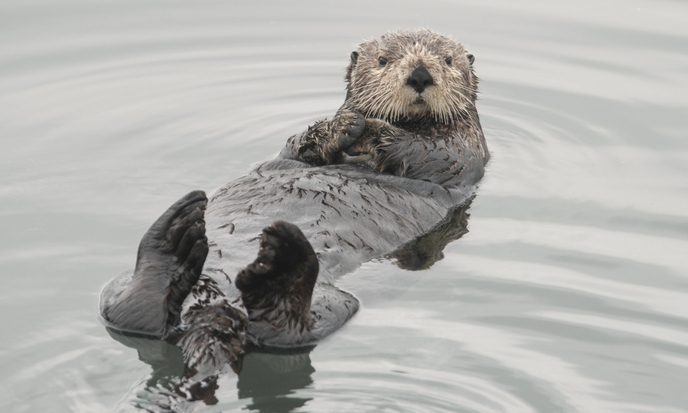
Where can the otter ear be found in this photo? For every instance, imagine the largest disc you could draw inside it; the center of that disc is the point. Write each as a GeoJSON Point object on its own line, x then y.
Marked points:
{"type": "Point", "coordinates": [470, 58]}
{"type": "Point", "coordinates": [350, 68]}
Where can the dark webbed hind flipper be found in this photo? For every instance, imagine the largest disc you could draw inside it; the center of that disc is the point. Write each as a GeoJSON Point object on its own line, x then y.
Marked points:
{"type": "Point", "coordinates": [169, 262]}
{"type": "Point", "coordinates": [286, 307]}
{"type": "Point", "coordinates": [277, 287]}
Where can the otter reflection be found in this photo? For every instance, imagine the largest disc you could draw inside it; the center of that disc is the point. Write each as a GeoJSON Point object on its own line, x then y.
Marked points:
{"type": "Point", "coordinates": [424, 251]}
{"type": "Point", "coordinates": [269, 379]}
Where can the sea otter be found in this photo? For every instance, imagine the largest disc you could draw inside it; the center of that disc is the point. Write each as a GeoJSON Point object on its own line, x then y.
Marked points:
{"type": "Point", "coordinates": [404, 150]}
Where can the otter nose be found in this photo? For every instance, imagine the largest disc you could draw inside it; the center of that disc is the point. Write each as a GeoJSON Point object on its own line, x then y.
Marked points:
{"type": "Point", "coordinates": [419, 79]}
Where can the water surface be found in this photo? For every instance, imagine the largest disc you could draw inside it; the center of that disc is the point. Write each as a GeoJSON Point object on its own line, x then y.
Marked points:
{"type": "Point", "coordinates": [568, 294]}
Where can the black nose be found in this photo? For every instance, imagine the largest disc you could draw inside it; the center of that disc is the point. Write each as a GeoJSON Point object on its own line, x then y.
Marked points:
{"type": "Point", "coordinates": [419, 79]}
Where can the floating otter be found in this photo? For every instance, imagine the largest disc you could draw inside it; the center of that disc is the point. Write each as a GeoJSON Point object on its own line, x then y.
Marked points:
{"type": "Point", "coordinates": [405, 150]}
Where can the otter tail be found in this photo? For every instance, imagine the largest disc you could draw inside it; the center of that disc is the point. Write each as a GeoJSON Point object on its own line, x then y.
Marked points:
{"type": "Point", "coordinates": [169, 262]}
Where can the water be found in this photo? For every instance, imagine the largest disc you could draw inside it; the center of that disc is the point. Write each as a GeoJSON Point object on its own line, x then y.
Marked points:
{"type": "Point", "coordinates": [569, 293]}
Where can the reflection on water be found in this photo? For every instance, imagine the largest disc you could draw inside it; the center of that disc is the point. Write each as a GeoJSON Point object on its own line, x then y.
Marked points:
{"type": "Point", "coordinates": [267, 380]}
{"type": "Point", "coordinates": [166, 360]}
{"type": "Point", "coordinates": [270, 380]}
{"type": "Point", "coordinates": [424, 251]}
{"type": "Point", "coordinates": [568, 293]}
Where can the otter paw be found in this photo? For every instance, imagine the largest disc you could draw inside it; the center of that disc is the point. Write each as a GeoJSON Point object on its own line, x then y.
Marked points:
{"type": "Point", "coordinates": [376, 132]}
{"type": "Point", "coordinates": [347, 126]}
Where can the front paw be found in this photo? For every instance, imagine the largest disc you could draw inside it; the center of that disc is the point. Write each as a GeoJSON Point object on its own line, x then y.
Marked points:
{"type": "Point", "coordinates": [365, 147]}
{"type": "Point", "coordinates": [324, 142]}
{"type": "Point", "coordinates": [379, 128]}
{"type": "Point", "coordinates": [347, 126]}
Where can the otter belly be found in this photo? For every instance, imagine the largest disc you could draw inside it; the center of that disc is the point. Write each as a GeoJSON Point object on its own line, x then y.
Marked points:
{"type": "Point", "coordinates": [349, 214]}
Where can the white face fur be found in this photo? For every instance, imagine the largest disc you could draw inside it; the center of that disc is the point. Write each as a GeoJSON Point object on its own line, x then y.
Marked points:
{"type": "Point", "coordinates": [379, 72]}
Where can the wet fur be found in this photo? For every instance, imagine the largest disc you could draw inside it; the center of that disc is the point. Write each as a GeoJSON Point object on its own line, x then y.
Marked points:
{"type": "Point", "coordinates": [416, 153]}
{"type": "Point", "coordinates": [374, 89]}
{"type": "Point", "coordinates": [434, 135]}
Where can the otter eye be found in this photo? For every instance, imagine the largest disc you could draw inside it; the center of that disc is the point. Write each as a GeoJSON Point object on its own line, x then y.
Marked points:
{"type": "Point", "coordinates": [382, 61]}
{"type": "Point", "coordinates": [470, 58]}
{"type": "Point", "coordinates": [448, 61]}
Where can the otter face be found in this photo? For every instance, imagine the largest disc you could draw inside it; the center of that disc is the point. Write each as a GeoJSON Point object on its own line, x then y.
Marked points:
{"type": "Point", "coordinates": [411, 75]}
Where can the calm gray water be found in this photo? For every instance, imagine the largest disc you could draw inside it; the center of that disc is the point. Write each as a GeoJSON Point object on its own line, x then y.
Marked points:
{"type": "Point", "coordinates": [569, 293]}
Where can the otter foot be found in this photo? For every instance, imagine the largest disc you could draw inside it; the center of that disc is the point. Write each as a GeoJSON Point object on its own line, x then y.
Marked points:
{"type": "Point", "coordinates": [278, 286]}
{"type": "Point", "coordinates": [169, 262]}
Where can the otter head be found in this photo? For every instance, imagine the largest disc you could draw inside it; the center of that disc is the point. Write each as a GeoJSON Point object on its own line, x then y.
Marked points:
{"type": "Point", "coordinates": [277, 287]}
{"type": "Point", "coordinates": [405, 76]}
